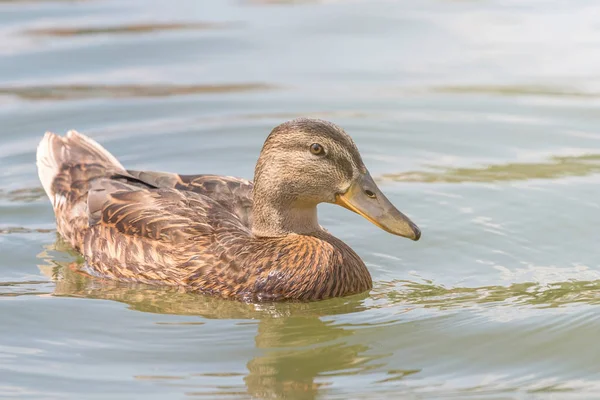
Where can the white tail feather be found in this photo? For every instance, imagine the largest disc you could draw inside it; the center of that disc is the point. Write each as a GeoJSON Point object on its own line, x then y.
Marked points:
{"type": "Point", "coordinates": [54, 151]}
{"type": "Point", "coordinates": [47, 162]}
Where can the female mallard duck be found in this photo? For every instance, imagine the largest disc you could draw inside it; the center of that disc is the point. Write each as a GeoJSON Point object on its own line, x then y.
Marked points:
{"type": "Point", "coordinates": [221, 235]}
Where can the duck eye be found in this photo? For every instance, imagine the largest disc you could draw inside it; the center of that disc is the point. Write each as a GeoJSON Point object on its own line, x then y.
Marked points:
{"type": "Point", "coordinates": [316, 149]}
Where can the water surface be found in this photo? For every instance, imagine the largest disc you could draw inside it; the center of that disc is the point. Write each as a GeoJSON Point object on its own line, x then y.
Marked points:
{"type": "Point", "coordinates": [478, 118]}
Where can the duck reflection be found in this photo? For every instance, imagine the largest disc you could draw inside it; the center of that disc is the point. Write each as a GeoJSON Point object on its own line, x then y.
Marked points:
{"type": "Point", "coordinates": [295, 365]}
{"type": "Point", "coordinates": [299, 349]}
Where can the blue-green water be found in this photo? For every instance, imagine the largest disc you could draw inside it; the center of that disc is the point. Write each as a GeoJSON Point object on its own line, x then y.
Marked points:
{"type": "Point", "coordinates": [480, 119]}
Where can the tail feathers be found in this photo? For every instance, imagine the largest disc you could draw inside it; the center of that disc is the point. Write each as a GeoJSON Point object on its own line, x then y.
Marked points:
{"type": "Point", "coordinates": [68, 166]}
{"type": "Point", "coordinates": [54, 152]}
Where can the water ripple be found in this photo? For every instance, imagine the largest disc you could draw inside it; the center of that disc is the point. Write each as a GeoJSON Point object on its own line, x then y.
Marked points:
{"type": "Point", "coordinates": [79, 92]}
{"type": "Point", "coordinates": [125, 29]}
{"type": "Point", "coordinates": [553, 168]}
{"type": "Point", "coordinates": [541, 295]}
{"type": "Point", "coordinates": [517, 90]}
{"type": "Point", "coordinates": [25, 195]}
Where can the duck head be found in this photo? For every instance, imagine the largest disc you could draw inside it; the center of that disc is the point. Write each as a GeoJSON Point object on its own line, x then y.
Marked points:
{"type": "Point", "coordinates": [305, 162]}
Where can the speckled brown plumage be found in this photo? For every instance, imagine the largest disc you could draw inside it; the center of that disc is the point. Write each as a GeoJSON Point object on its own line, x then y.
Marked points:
{"type": "Point", "coordinates": [225, 236]}
{"type": "Point", "coordinates": [188, 231]}
{"type": "Point", "coordinates": [182, 238]}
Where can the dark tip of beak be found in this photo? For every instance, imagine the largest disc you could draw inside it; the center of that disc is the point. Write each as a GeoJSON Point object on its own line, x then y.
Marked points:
{"type": "Point", "coordinates": [417, 233]}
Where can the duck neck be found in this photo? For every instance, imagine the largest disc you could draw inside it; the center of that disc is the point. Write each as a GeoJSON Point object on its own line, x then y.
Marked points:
{"type": "Point", "coordinates": [276, 215]}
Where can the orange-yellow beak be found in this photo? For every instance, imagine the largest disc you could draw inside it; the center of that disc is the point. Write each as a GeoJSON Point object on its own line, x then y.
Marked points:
{"type": "Point", "coordinates": [364, 198]}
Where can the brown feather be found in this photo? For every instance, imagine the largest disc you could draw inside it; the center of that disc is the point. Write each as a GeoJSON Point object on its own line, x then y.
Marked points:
{"type": "Point", "coordinates": [195, 242]}
{"type": "Point", "coordinates": [234, 194]}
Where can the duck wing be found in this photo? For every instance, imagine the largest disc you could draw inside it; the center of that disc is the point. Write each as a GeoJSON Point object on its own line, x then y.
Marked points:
{"type": "Point", "coordinates": [234, 194]}
{"type": "Point", "coordinates": [155, 235]}
{"type": "Point", "coordinates": [157, 214]}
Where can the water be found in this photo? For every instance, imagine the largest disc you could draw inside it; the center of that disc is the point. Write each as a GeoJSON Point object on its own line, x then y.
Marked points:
{"type": "Point", "coordinates": [479, 119]}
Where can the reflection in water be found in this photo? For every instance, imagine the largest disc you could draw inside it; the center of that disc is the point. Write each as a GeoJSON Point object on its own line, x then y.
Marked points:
{"type": "Point", "coordinates": [555, 294]}
{"type": "Point", "coordinates": [288, 2]}
{"type": "Point", "coordinates": [70, 281]}
{"type": "Point", "coordinates": [19, 229]}
{"type": "Point", "coordinates": [75, 92]}
{"type": "Point", "coordinates": [294, 363]}
{"type": "Point", "coordinates": [299, 349]}
{"type": "Point", "coordinates": [301, 353]}
{"type": "Point", "coordinates": [515, 90]}
{"type": "Point", "coordinates": [124, 29]}
{"type": "Point", "coordinates": [555, 167]}
{"type": "Point", "coordinates": [24, 195]}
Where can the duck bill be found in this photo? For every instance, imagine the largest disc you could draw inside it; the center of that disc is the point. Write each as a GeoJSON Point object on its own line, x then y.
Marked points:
{"type": "Point", "coordinates": [364, 198]}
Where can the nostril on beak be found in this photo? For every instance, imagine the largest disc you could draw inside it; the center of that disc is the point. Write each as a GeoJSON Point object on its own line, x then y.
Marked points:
{"type": "Point", "coordinates": [370, 194]}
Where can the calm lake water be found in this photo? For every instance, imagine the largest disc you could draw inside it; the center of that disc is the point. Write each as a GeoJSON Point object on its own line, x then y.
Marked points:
{"type": "Point", "coordinates": [480, 119]}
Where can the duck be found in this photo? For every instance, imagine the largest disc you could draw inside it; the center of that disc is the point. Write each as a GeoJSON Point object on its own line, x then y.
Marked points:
{"type": "Point", "coordinates": [251, 241]}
